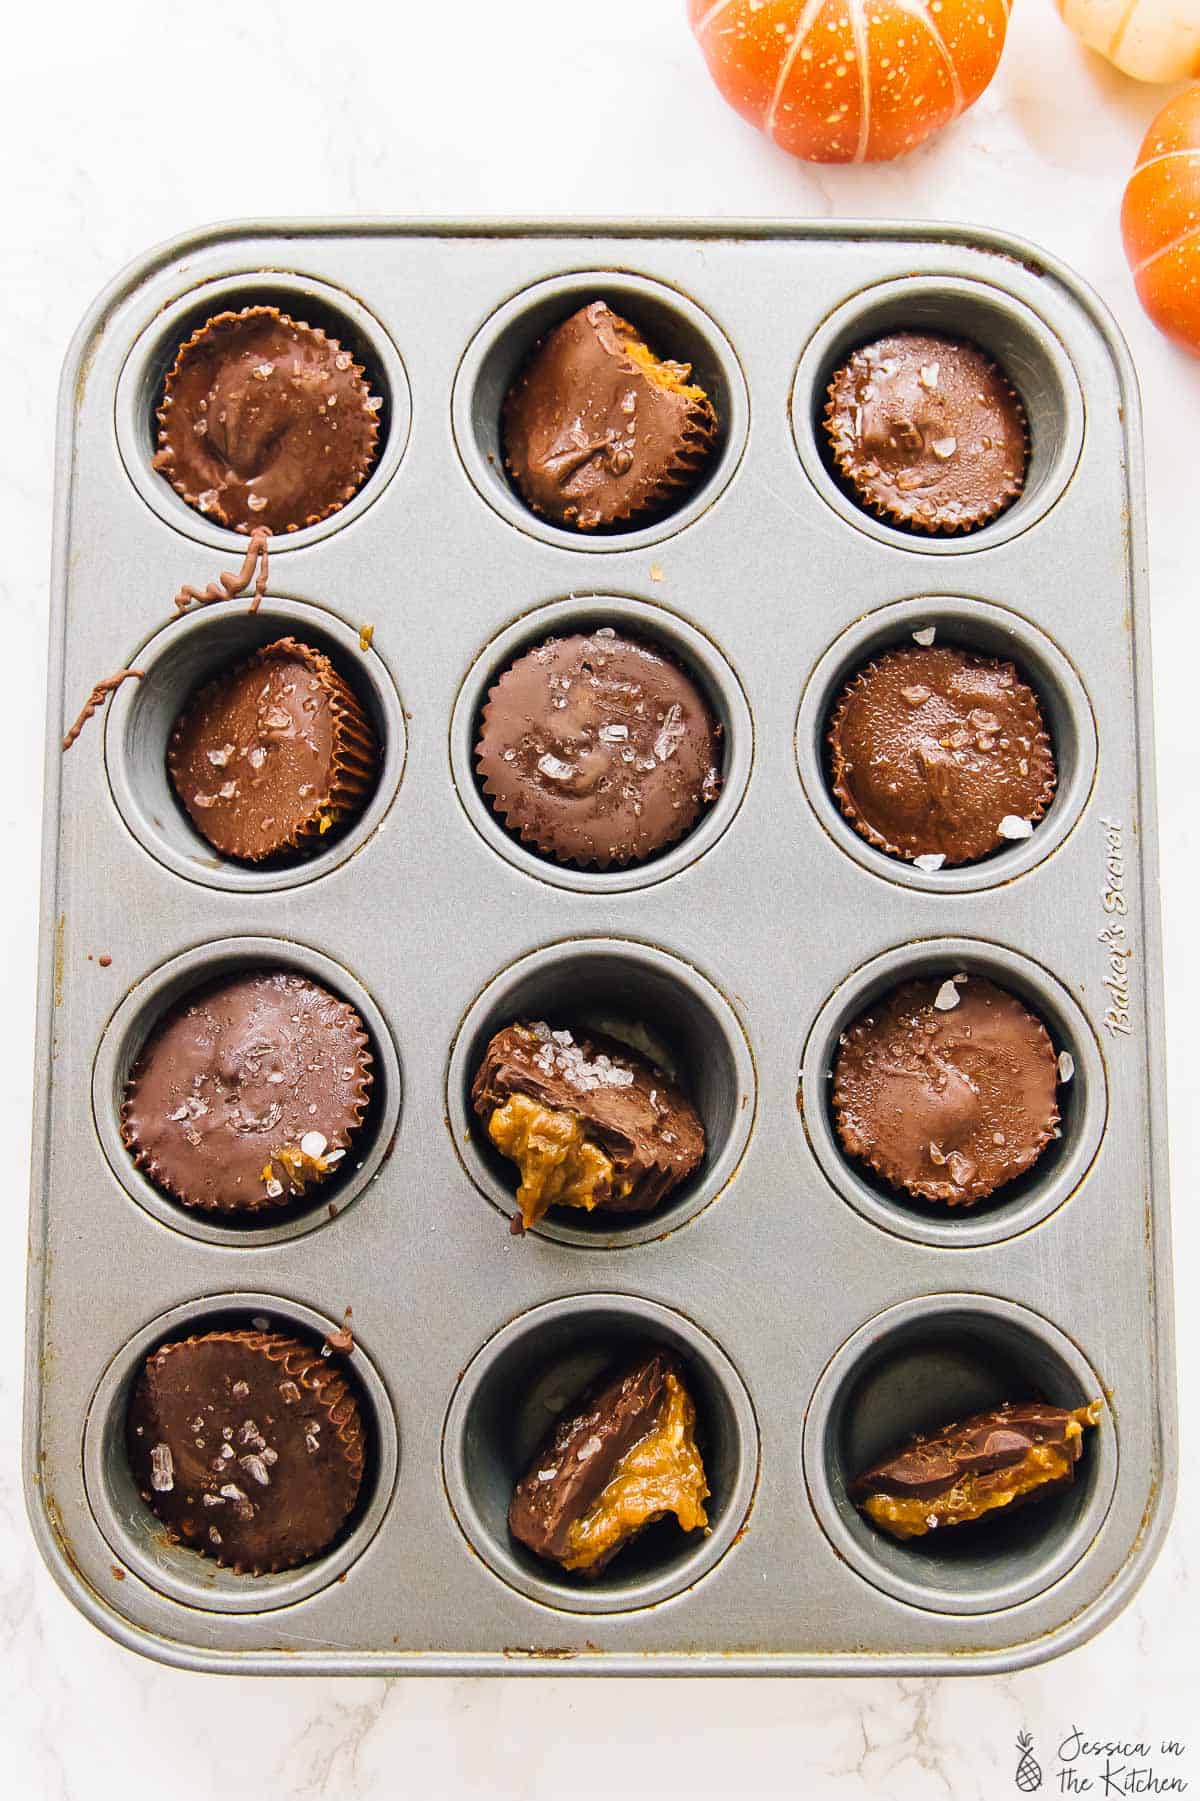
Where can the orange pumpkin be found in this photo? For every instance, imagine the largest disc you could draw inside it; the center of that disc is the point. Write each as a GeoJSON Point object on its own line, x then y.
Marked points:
{"type": "Point", "coordinates": [1160, 220]}
{"type": "Point", "coordinates": [850, 81]}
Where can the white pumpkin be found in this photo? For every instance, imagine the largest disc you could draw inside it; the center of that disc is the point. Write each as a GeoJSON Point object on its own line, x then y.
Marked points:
{"type": "Point", "coordinates": [1154, 40]}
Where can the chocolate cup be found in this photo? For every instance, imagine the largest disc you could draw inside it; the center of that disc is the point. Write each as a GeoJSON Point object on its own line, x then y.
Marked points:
{"type": "Point", "coordinates": [647, 1128]}
{"type": "Point", "coordinates": [345, 785]}
{"type": "Point", "coordinates": [135, 1021]}
{"type": "Point", "coordinates": [934, 1358]}
{"type": "Point", "coordinates": [299, 496]}
{"type": "Point", "coordinates": [319, 1432]}
{"type": "Point", "coordinates": [666, 802]}
{"type": "Point", "coordinates": [183, 1038]}
{"type": "Point", "coordinates": [530, 1372]}
{"type": "Point", "coordinates": [137, 1538]}
{"type": "Point", "coordinates": [1029, 1198]}
{"type": "Point", "coordinates": [682, 645]}
{"type": "Point", "coordinates": [184, 656]}
{"type": "Point", "coordinates": [910, 1113]}
{"type": "Point", "coordinates": [988, 631]}
{"type": "Point", "coordinates": [961, 839]}
{"type": "Point", "coordinates": [1008, 330]}
{"type": "Point", "coordinates": [1003, 416]}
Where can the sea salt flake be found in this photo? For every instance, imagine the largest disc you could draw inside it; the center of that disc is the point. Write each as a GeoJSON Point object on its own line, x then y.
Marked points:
{"type": "Point", "coordinates": [613, 734]}
{"type": "Point", "coordinates": [929, 860]}
{"type": "Point", "coordinates": [314, 1144]}
{"type": "Point", "coordinates": [671, 734]}
{"type": "Point", "coordinates": [944, 448]}
{"type": "Point", "coordinates": [587, 1449]}
{"type": "Point", "coordinates": [548, 1475]}
{"type": "Point", "coordinates": [241, 1389]}
{"type": "Point", "coordinates": [290, 1393]}
{"type": "Point", "coordinates": [219, 758]}
{"type": "Point", "coordinates": [946, 997]}
{"type": "Point", "coordinates": [554, 769]}
{"type": "Point", "coordinates": [1013, 827]}
{"type": "Point", "coordinates": [258, 757]}
{"type": "Point", "coordinates": [254, 1466]}
{"type": "Point", "coordinates": [162, 1469]}
{"type": "Point", "coordinates": [925, 635]}
{"type": "Point", "coordinates": [1066, 1066]}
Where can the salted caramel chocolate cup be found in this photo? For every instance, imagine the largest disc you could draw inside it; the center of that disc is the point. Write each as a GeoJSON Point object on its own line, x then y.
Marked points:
{"type": "Point", "coordinates": [946, 1088]}
{"type": "Point", "coordinates": [975, 1468]}
{"type": "Point", "coordinates": [623, 1456]}
{"type": "Point", "coordinates": [248, 1093]}
{"type": "Point", "coordinates": [265, 421]}
{"type": "Point", "coordinates": [588, 1121]}
{"type": "Point", "coordinates": [927, 432]}
{"type": "Point", "coordinates": [249, 1447]}
{"type": "Point", "coordinates": [271, 755]}
{"type": "Point", "coordinates": [598, 432]}
{"type": "Point", "coordinates": [598, 749]}
{"type": "Point", "coordinates": [940, 755]}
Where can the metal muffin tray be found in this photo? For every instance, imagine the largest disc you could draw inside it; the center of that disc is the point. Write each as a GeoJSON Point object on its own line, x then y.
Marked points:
{"type": "Point", "coordinates": [820, 1317]}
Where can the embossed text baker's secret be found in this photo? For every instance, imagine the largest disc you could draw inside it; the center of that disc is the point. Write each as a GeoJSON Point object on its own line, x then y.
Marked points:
{"type": "Point", "coordinates": [1115, 936]}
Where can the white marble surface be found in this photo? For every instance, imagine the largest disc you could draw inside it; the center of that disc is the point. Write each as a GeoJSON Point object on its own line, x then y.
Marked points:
{"type": "Point", "coordinates": [121, 125]}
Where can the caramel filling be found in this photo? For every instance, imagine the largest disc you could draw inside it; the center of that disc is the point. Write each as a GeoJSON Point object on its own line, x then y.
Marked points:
{"type": "Point", "coordinates": [559, 1165]}
{"type": "Point", "coordinates": [664, 374]}
{"type": "Point", "coordinates": [663, 1473]}
{"type": "Point", "coordinates": [972, 1496]}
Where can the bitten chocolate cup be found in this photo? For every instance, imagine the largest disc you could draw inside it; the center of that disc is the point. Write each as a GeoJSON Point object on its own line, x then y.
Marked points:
{"type": "Point", "coordinates": [648, 1000]}
{"type": "Point", "coordinates": [525, 1377]}
{"type": "Point", "coordinates": [675, 328]}
{"type": "Point", "coordinates": [272, 754]}
{"type": "Point", "coordinates": [265, 421]}
{"type": "Point", "coordinates": [598, 430]}
{"type": "Point", "coordinates": [935, 1358]}
{"type": "Point", "coordinates": [589, 1121]}
{"type": "Point", "coordinates": [248, 1445]}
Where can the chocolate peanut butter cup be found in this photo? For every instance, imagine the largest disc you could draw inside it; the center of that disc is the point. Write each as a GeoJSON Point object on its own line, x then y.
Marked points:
{"type": "Point", "coordinates": [975, 1468]}
{"type": "Point", "coordinates": [939, 755]}
{"type": "Point", "coordinates": [927, 432]}
{"type": "Point", "coordinates": [598, 749]}
{"type": "Point", "coordinates": [265, 421]}
{"type": "Point", "coordinates": [599, 432]}
{"type": "Point", "coordinates": [588, 1121]}
{"type": "Point", "coordinates": [947, 1089]}
{"type": "Point", "coordinates": [622, 1457]}
{"type": "Point", "coordinates": [249, 1092]}
{"type": "Point", "coordinates": [249, 1447]}
{"type": "Point", "coordinates": [269, 756]}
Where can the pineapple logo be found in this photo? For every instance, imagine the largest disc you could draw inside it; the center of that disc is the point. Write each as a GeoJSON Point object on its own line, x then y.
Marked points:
{"type": "Point", "coordinates": [1029, 1771]}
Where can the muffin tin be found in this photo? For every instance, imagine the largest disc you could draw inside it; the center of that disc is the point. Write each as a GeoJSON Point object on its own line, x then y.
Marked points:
{"type": "Point", "coordinates": [820, 1316]}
